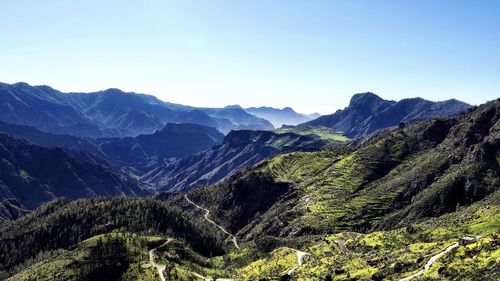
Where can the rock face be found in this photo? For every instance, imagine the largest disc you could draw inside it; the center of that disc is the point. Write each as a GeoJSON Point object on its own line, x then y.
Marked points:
{"type": "Point", "coordinates": [31, 175]}
{"type": "Point", "coordinates": [368, 113]}
{"type": "Point", "coordinates": [239, 149]}
{"type": "Point", "coordinates": [109, 113]}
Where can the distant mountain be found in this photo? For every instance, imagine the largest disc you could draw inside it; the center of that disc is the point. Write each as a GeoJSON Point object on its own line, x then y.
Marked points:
{"type": "Point", "coordinates": [31, 175]}
{"type": "Point", "coordinates": [314, 115]}
{"type": "Point", "coordinates": [109, 113]}
{"type": "Point", "coordinates": [240, 149]}
{"type": "Point", "coordinates": [239, 119]}
{"type": "Point", "coordinates": [133, 154]}
{"type": "Point", "coordinates": [175, 141]}
{"type": "Point", "coordinates": [280, 117]}
{"type": "Point", "coordinates": [368, 113]}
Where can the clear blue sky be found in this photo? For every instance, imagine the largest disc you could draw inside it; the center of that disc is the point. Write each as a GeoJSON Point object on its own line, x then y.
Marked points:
{"type": "Point", "coordinates": [311, 55]}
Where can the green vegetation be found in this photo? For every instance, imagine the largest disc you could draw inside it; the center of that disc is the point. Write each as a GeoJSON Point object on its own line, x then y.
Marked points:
{"type": "Point", "coordinates": [62, 224]}
{"type": "Point", "coordinates": [324, 133]}
{"type": "Point", "coordinates": [110, 256]}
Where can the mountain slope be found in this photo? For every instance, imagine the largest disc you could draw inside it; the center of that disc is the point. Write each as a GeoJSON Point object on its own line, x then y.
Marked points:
{"type": "Point", "coordinates": [240, 149]}
{"type": "Point", "coordinates": [32, 175]}
{"type": "Point", "coordinates": [279, 117]}
{"type": "Point", "coordinates": [63, 224]}
{"type": "Point", "coordinates": [173, 141]}
{"type": "Point", "coordinates": [135, 155]}
{"type": "Point", "coordinates": [368, 113]}
{"type": "Point", "coordinates": [390, 180]}
{"type": "Point", "coordinates": [109, 113]}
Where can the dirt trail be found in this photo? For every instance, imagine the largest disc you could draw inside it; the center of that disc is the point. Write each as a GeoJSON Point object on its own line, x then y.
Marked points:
{"type": "Point", "coordinates": [300, 254]}
{"type": "Point", "coordinates": [159, 267]}
{"type": "Point", "coordinates": [206, 217]}
{"type": "Point", "coordinates": [429, 263]}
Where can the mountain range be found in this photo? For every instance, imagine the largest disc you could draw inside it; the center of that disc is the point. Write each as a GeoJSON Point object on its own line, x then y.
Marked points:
{"type": "Point", "coordinates": [32, 175]}
{"type": "Point", "coordinates": [368, 113]}
{"type": "Point", "coordinates": [389, 206]}
{"type": "Point", "coordinates": [279, 117]}
{"type": "Point", "coordinates": [239, 149]}
{"type": "Point", "coordinates": [380, 190]}
{"type": "Point", "coordinates": [109, 113]}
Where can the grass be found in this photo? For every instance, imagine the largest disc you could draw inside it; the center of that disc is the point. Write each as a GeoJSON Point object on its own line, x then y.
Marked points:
{"type": "Point", "coordinates": [322, 132]}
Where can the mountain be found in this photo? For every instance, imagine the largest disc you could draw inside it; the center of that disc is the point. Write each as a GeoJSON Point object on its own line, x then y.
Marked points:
{"type": "Point", "coordinates": [280, 117]}
{"type": "Point", "coordinates": [389, 180]}
{"type": "Point", "coordinates": [134, 155]}
{"type": "Point", "coordinates": [368, 113]}
{"type": "Point", "coordinates": [421, 202]}
{"type": "Point", "coordinates": [314, 115]}
{"type": "Point", "coordinates": [99, 239]}
{"type": "Point", "coordinates": [240, 149]}
{"type": "Point", "coordinates": [31, 175]}
{"type": "Point", "coordinates": [109, 113]}
{"type": "Point", "coordinates": [173, 141]}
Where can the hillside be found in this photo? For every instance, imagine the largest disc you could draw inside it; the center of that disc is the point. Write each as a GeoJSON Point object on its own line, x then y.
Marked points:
{"type": "Point", "coordinates": [239, 149]}
{"type": "Point", "coordinates": [134, 155]}
{"type": "Point", "coordinates": [368, 113]}
{"type": "Point", "coordinates": [31, 175]}
{"type": "Point", "coordinates": [389, 180]}
{"type": "Point", "coordinates": [173, 141]}
{"type": "Point", "coordinates": [109, 113]}
{"type": "Point", "coordinates": [63, 227]}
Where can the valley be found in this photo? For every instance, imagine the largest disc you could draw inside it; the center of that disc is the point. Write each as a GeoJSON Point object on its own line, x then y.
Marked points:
{"type": "Point", "coordinates": [303, 202]}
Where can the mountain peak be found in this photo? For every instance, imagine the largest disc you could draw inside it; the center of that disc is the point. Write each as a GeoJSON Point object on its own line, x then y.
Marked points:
{"type": "Point", "coordinates": [113, 91]}
{"type": "Point", "coordinates": [367, 98]}
{"type": "Point", "coordinates": [233, 106]}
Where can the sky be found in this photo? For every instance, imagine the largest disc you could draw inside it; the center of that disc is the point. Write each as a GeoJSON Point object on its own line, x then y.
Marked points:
{"type": "Point", "coordinates": [310, 55]}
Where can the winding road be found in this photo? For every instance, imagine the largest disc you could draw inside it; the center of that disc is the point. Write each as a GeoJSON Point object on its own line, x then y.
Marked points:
{"type": "Point", "coordinates": [205, 216]}
{"type": "Point", "coordinates": [429, 263]}
{"type": "Point", "coordinates": [300, 254]}
{"type": "Point", "coordinates": [159, 267]}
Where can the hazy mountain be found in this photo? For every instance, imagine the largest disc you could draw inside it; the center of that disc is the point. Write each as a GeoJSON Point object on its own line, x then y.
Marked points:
{"type": "Point", "coordinates": [368, 113]}
{"type": "Point", "coordinates": [314, 115]}
{"type": "Point", "coordinates": [31, 175]}
{"type": "Point", "coordinates": [239, 149]}
{"type": "Point", "coordinates": [280, 117]}
{"type": "Point", "coordinates": [134, 154]}
{"type": "Point", "coordinates": [109, 113]}
{"type": "Point", "coordinates": [172, 142]}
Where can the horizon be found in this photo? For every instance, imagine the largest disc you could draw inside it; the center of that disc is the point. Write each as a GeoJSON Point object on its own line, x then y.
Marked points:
{"type": "Point", "coordinates": [311, 57]}
{"type": "Point", "coordinates": [244, 107]}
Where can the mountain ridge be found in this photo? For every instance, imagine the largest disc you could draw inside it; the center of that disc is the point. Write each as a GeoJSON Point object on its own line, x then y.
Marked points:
{"type": "Point", "coordinates": [279, 117]}
{"type": "Point", "coordinates": [240, 149]}
{"type": "Point", "coordinates": [368, 113]}
{"type": "Point", "coordinates": [109, 113]}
